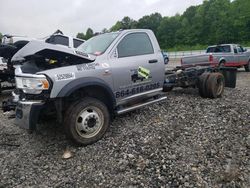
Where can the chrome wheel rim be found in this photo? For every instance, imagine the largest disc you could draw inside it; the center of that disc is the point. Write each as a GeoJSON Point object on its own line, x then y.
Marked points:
{"type": "Point", "coordinates": [89, 122]}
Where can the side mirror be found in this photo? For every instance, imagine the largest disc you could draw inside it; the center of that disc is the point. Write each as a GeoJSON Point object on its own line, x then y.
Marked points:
{"type": "Point", "coordinates": [244, 49]}
{"type": "Point", "coordinates": [115, 53]}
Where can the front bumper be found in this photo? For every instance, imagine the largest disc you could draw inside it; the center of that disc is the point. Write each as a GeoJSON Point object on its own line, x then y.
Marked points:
{"type": "Point", "coordinates": [27, 114]}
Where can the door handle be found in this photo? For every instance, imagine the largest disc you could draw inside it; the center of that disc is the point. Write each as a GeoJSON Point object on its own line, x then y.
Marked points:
{"type": "Point", "coordinates": [153, 61]}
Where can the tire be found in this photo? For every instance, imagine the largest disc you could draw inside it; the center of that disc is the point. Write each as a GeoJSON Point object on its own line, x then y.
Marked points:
{"type": "Point", "coordinates": [202, 84]}
{"type": "Point", "coordinates": [215, 85]}
{"type": "Point", "coordinates": [86, 121]}
{"type": "Point", "coordinates": [222, 64]}
{"type": "Point", "coordinates": [247, 67]}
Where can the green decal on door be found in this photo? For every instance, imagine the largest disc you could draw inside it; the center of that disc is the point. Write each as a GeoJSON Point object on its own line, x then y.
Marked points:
{"type": "Point", "coordinates": [144, 72]}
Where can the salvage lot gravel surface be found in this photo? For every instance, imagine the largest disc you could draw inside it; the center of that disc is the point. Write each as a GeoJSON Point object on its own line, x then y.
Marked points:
{"type": "Point", "coordinates": [186, 141]}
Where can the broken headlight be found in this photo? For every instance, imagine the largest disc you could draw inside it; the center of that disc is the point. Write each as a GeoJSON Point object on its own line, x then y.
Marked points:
{"type": "Point", "coordinates": [32, 85]}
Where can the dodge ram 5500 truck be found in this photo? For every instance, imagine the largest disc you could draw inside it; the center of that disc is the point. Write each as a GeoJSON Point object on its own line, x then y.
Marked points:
{"type": "Point", "coordinates": [109, 74]}
{"type": "Point", "coordinates": [229, 55]}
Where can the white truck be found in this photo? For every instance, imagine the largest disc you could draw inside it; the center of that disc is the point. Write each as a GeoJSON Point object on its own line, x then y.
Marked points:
{"type": "Point", "coordinates": [224, 55]}
{"type": "Point", "coordinates": [108, 75]}
{"type": "Point", "coordinates": [11, 44]}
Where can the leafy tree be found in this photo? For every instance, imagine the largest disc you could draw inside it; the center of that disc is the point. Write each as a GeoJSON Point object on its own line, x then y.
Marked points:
{"type": "Point", "coordinates": [150, 22]}
{"type": "Point", "coordinates": [241, 17]}
{"type": "Point", "coordinates": [116, 27]}
{"type": "Point", "coordinates": [167, 31]}
{"type": "Point", "coordinates": [1, 36]}
{"type": "Point", "coordinates": [89, 34]}
{"type": "Point", "coordinates": [213, 22]}
{"type": "Point", "coordinates": [125, 23]}
{"type": "Point", "coordinates": [80, 36]}
{"type": "Point", "coordinates": [105, 30]}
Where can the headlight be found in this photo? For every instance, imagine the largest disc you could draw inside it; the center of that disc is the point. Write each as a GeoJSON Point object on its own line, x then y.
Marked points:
{"type": "Point", "coordinates": [32, 85]}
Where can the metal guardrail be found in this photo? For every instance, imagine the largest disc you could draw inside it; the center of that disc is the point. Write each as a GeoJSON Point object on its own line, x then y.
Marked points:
{"type": "Point", "coordinates": [180, 54]}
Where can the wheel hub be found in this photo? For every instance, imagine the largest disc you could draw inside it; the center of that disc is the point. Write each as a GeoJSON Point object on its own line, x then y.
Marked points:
{"type": "Point", "coordinates": [91, 122]}
{"type": "Point", "coordinates": [88, 123]}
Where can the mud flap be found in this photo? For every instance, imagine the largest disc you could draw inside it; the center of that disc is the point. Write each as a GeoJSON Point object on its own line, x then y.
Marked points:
{"type": "Point", "coordinates": [230, 75]}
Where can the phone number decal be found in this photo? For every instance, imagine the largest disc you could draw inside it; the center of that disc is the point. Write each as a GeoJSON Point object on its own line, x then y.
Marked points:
{"type": "Point", "coordinates": [136, 90]}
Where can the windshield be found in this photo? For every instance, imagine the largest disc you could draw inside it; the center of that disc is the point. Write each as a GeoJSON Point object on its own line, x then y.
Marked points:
{"type": "Point", "coordinates": [97, 45]}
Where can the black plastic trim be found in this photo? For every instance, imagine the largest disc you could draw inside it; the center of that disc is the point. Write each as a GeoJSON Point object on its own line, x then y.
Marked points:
{"type": "Point", "coordinates": [83, 82]}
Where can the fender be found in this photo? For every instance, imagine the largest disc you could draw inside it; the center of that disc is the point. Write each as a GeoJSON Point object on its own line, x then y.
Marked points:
{"type": "Point", "coordinates": [83, 82]}
{"type": "Point", "coordinates": [222, 59]}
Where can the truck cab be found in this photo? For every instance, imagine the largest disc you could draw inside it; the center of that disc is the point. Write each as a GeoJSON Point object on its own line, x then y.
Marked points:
{"type": "Point", "coordinates": [87, 86]}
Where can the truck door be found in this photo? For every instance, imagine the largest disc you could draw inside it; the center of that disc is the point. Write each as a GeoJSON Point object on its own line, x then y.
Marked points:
{"type": "Point", "coordinates": [242, 58]}
{"type": "Point", "coordinates": [136, 67]}
{"type": "Point", "coordinates": [236, 55]}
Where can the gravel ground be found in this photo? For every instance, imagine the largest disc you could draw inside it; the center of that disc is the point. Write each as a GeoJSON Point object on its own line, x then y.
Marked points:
{"type": "Point", "coordinates": [186, 141]}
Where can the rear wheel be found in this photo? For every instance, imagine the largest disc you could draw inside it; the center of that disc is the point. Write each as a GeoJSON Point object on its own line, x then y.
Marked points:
{"type": "Point", "coordinates": [215, 85]}
{"type": "Point", "coordinates": [222, 64]}
{"type": "Point", "coordinates": [247, 67]}
{"type": "Point", "coordinates": [202, 84]}
{"type": "Point", "coordinates": [86, 121]}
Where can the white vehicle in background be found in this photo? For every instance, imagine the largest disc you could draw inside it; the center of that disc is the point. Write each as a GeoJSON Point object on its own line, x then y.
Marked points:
{"type": "Point", "coordinates": [57, 38]}
{"type": "Point", "coordinates": [64, 40]}
{"type": "Point", "coordinates": [11, 44]}
{"type": "Point", "coordinates": [3, 64]}
{"type": "Point", "coordinates": [224, 55]}
{"type": "Point", "coordinates": [11, 39]}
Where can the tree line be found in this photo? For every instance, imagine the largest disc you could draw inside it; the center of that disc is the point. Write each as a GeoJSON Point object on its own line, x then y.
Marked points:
{"type": "Point", "coordinates": [212, 22]}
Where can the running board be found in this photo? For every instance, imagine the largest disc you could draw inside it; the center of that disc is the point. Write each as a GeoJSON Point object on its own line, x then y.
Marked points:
{"type": "Point", "coordinates": [140, 105]}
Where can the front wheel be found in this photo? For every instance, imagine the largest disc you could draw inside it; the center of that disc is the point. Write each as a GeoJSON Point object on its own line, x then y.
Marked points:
{"type": "Point", "coordinates": [247, 67]}
{"type": "Point", "coordinates": [86, 121]}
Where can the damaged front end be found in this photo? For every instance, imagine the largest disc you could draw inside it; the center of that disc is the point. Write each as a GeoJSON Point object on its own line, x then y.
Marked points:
{"type": "Point", "coordinates": [33, 86]}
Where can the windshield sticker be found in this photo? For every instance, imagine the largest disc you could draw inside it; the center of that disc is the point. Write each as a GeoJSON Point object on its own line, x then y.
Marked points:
{"type": "Point", "coordinates": [66, 76]}
{"type": "Point", "coordinates": [87, 66]}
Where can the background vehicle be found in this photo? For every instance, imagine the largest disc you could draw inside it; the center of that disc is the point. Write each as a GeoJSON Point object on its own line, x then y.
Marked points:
{"type": "Point", "coordinates": [12, 44]}
{"type": "Point", "coordinates": [108, 75]}
{"type": "Point", "coordinates": [225, 55]}
{"type": "Point", "coordinates": [166, 57]}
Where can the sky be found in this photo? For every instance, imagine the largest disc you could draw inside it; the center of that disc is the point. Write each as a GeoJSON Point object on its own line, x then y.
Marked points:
{"type": "Point", "coordinates": [40, 18]}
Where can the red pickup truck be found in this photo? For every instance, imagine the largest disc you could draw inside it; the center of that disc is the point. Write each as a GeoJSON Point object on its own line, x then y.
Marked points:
{"type": "Point", "coordinates": [225, 55]}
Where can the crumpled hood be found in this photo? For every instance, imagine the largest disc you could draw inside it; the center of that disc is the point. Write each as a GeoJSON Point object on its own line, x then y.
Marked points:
{"type": "Point", "coordinates": [38, 47]}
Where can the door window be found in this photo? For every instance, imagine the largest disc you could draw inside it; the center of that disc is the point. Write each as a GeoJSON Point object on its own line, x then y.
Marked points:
{"type": "Point", "coordinates": [235, 50]}
{"type": "Point", "coordinates": [135, 44]}
{"type": "Point", "coordinates": [240, 50]}
{"type": "Point", "coordinates": [58, 39]}
{"type": "Point", "coordinates": [77, 43]}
